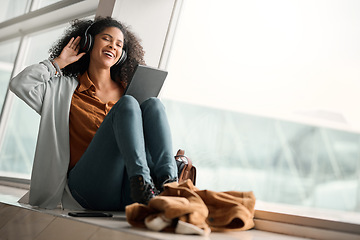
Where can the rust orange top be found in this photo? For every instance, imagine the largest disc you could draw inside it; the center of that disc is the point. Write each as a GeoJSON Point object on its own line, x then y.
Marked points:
{"type": "Point", "coordinates": [87, 112]}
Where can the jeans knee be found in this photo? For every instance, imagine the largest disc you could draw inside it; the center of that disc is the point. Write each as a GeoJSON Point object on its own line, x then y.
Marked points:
{"type": "Point", "coordinates": [127, 101]}
{"type": "Point", "coordinates": [127, 105]}
{"type": "Point", "coordinates": [152, 103]}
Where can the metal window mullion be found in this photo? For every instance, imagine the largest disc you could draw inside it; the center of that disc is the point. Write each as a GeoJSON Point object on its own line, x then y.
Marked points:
{"type": "Point", "coordinates": [34, 5]}
{"type": "Point", "coordinates": [30, 5]}
{"type": "Point", "coordinates": [170, 35]}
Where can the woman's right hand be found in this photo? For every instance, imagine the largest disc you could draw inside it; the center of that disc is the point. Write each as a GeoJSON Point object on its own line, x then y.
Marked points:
{"type": "Point", "coordinates": [70, 53]}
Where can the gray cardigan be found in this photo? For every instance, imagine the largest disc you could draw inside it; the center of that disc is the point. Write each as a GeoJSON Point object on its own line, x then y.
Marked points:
{"type": "Point", "coordinates": [49, 94]}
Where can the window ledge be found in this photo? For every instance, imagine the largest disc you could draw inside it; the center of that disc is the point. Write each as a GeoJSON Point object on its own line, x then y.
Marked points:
{"type": "Point", "coordinates": [307, 222]}
{"type": "Point", "coordinates": [283, 222]}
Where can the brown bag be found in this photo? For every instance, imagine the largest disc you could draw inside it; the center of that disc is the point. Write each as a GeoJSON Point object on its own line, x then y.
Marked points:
{"type": "Point", "coordinates": [186, 170]}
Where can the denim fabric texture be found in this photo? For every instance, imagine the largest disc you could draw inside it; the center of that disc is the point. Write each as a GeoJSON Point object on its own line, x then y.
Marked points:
{"type": "Point", "coordinates": [132, 140]}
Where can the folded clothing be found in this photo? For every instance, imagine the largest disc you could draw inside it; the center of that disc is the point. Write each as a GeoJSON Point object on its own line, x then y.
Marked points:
{"type": "Point", "coordinates": [183, 208]}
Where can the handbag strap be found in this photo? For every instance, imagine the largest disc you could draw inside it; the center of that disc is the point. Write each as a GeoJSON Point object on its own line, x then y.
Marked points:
{"type": "Point", "coordinates": [189, 171]}
{"type": "Point", "coordinates": [180, 154]}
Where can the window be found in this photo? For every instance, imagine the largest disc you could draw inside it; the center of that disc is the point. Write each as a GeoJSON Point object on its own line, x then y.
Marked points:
{"type": "Point", "coordinates": [19, 123]}
{"type": "Point", "coordinates": [8, 52]}
{"type": "Point", "coordinates": [18, 148]}
{"type": "Point", "coordinates": [13, 8]}
{"type": "Point", "coordinates": [44, 3]}
{"type": "Point", "coordinates": [263, 96]}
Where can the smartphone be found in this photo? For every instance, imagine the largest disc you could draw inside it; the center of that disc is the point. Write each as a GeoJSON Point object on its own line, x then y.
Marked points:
{"type": "Point", "coordinates": [89, 214]}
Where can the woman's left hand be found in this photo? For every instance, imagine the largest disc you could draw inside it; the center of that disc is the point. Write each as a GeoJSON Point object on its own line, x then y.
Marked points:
{"type": "Point", "coordinates": [70, 53]}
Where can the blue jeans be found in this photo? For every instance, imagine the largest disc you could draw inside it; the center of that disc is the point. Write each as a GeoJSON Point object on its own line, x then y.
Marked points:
{"type": "Point", "coordinates": [132, 140]}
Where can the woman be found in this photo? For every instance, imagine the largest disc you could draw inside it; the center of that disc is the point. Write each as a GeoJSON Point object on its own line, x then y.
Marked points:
{"type": "Point", "coordinates": [96, 149]}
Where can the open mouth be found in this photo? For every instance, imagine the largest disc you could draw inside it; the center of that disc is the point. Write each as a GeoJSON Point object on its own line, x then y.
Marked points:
{"type": "Point", "coordinates": [109, 54]}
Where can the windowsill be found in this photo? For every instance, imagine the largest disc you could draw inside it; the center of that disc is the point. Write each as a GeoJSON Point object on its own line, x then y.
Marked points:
{"type": "Point", "coordinates": [308, 212]}
{"type": "Point", "coordinates": [288, 221]}
{"type": "Point", "coordinates": [307, 222]}
{"type": "Point", "coordinates": [110, 228]}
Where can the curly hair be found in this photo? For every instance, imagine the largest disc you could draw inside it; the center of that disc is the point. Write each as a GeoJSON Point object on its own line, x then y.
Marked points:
{"type": "Point", "coordinates": [122, 73]}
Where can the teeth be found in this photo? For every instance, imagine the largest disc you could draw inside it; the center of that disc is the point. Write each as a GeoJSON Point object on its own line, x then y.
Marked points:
{"type": "Point", "coordinates": [109, 54]}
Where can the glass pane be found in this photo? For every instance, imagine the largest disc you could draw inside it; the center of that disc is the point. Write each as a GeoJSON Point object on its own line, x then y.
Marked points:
{"type": "Point", "coordinates": [264, 97]}
{"type": "Point", "coordinates": [44, 3]}
{"type": "Point", "coordinates": [8, 52]}
{"type": "Point", "coordinates": [17, 153]}
{"type": "Point", "coordinates": [12, 8]}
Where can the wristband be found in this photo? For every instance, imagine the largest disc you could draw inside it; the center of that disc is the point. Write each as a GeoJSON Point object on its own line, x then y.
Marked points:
{"type": "Point", "coordinates": [58, 71]}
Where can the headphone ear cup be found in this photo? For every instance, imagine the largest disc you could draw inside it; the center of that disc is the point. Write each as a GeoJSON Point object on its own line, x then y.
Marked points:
{"type": "Point", "coordinates": [122, 58]}
{"type": "Point", "coordinates": [90, 39]}
{"type": "Point", "coordinates": [86, 43]}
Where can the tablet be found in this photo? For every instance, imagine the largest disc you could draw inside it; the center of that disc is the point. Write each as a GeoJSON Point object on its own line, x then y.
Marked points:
{"type": "Point", "coordinates": [146, 82]}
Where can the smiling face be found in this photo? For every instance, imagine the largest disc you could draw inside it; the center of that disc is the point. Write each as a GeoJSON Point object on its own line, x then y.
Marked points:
{"type": "Point", "coordinates": [107, 47]}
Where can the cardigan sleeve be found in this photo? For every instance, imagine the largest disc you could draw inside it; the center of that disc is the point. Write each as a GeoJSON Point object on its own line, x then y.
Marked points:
{"type": "Point", "coordinates": [30, 84]}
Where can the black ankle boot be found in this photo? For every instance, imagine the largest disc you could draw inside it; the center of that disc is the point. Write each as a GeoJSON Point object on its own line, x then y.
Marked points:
{"type": "Point", "coordinates": [142, 191]}
{"type": "Point", "coordinates": [163, 180]}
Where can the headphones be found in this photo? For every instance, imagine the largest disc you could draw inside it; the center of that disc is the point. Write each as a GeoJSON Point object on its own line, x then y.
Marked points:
{"type": "Point", "coordinates": [87, 42]}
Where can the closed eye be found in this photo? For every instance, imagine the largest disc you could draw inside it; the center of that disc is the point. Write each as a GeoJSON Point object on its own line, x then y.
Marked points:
{"type": "Point", "coordinates": [108, 37]}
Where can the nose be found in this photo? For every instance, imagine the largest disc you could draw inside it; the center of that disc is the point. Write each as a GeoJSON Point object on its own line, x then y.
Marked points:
{"type": "Point", "coordinates": [112, 45]}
